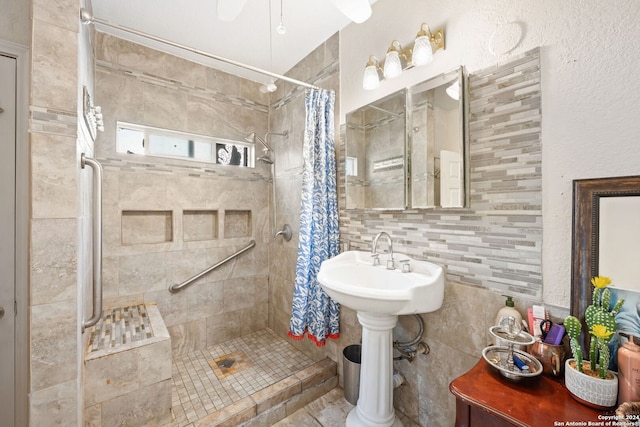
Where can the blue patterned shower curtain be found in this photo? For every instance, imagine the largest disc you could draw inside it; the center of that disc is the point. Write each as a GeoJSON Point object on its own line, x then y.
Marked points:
{"type": "Point", "coordinates": [313, 311]}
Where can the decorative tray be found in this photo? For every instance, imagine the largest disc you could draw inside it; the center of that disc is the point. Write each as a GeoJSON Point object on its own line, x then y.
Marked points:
{"type": "Point", "coordinates": [498, 358]}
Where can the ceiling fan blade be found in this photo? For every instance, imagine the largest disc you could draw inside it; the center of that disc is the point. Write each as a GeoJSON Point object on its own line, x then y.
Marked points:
{"type": "Point", "coordinates": [228, 10]}
{"type": "Point", "coordinates": [356, 10]}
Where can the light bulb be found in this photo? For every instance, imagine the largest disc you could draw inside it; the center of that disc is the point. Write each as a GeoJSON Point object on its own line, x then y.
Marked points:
{"type": "Point", "coordinates": [453, 90]}
{"type": "Point", "coordinates": [422, 51]}
{"type": "Point", "coordinates": [281, 29]}
{"type": "Point", "coordinates": [392, 65]}
{"type": "Point", "coordinates": [370, 80]}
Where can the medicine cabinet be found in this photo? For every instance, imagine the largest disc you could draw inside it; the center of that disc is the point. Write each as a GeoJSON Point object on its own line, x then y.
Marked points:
{"type": "Point", "coordinates": [409, 149]}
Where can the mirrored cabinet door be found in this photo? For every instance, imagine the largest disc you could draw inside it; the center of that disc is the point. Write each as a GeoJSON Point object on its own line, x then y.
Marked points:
{"type": "Point", "coordinates": [408, 149]}
{"type": "Point", "coordinates": [376, 154]}
{"type": "Point", "coordinates": [437, 142]}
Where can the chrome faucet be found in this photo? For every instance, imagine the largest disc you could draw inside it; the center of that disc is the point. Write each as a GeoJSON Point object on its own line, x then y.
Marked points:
{"type": "Point", "coordinates": [391, 264]}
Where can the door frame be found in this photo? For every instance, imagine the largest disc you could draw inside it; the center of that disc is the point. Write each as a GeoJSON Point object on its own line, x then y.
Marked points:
{"type": "Point", "coordinates": [21, 369]}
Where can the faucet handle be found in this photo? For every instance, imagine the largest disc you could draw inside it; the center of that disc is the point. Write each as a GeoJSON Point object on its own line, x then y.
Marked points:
{"type": "Point", "coordinates": [405, 266]}
{"type": "Point", "coordinates": [376, 259]}
{"type": "Point", "coordinates": [391, 264]}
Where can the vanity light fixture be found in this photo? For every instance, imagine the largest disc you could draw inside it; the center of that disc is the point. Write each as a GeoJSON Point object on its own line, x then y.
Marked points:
{"type": "Point", "coordinates": [371, 79]}
{"type": "Point", "coordinates": [419, 53]}
{"type": "Point", "coordinates": [392, 61]}
{"type": "Point", "coordinates": [423, 47]}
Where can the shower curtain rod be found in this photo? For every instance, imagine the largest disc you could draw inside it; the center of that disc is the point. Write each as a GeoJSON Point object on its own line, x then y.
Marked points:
{"type": "Point", "coordinates": [87, 18]}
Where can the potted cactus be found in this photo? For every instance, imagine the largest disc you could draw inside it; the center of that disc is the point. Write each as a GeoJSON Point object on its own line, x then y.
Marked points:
{"type": "Point", "coordinates": [591, 382]}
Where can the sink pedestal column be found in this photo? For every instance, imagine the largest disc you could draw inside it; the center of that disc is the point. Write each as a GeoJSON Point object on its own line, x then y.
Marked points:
{"type": "Point", "coordinates": [375, 400]}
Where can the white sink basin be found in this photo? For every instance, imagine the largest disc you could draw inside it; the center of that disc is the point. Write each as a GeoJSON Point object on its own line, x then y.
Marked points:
{"type": "Point", "coordinates": [352, 280]}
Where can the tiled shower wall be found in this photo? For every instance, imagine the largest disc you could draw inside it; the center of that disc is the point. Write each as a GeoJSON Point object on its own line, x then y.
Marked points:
{"type": "Point", "coordinates": [54, 341]}
{"type": "Point", "coordinates": [166, 220]}
{"type": "Point", "coordinates": [320, 67]}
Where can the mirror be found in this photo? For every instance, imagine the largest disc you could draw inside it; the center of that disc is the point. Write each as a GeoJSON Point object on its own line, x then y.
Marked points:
{"type": "Point", "coordinates": [408, 149]}
{"type": "Point", "coordinates": [376, 155]}
{"type": "Point", "coordinates": [605, 221]}
{"type": "Point", "coordinates": [437, 142]}
{"type": "Point", "coordinates": [618, 245]}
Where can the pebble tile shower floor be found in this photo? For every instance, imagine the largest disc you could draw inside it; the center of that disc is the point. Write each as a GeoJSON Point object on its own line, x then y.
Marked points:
{"type": "Point", "coordinates": [210, 379]}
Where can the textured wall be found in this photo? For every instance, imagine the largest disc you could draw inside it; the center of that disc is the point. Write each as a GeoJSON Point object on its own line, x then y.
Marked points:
{"type": "Point", "coordinates": [590, 122]}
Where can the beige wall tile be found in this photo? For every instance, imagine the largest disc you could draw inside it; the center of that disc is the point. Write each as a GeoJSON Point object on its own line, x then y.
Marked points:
{"type": "Point", "coordinates": [54, 406]}
{"type": "Point", "coordinates": [54, 171]}
{"type": "Point", "coordinates": [150, 405]}
{"type": "Point", "coordinates": [54, 260]}
{"type": "Point", "coordinates": [53, 344]}
{"type": "Point", "coordinates": [205, 300]}
{"type": "Point", "coordinates": [54, 67]}
{"type": "Point", "coordinates": [154, 362]}
{"type": "Point", "coordinates": [143, 273]}
{"type": "Point", "coordinates": [187, 337]}
{"type": "Point", "coordinates": [110, 376]}
{"type": "Point", "coordinates": [57, 13]}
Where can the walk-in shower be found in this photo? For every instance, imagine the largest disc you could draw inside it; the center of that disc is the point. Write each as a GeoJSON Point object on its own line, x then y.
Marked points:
{"type": "Point", "coordinates": [269, 157]}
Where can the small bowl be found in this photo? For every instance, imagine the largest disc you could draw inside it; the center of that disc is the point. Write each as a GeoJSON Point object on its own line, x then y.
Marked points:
{"type": "Point", "coordinates": [497, 356]}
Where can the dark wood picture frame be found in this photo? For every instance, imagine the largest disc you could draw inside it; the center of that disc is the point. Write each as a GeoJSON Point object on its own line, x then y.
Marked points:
{"type": "Point", "coordinates": [585, 238]}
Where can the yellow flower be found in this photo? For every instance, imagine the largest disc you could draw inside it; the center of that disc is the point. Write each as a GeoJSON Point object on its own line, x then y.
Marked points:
{"type": "Point", "coordinates": [600, 331]}
{"type": "Point", "coordinates": [601, 282]}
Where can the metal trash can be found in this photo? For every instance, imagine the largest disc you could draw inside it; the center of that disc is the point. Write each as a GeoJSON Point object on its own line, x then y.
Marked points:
{"type": "Point", "coordinates": [351, 372]}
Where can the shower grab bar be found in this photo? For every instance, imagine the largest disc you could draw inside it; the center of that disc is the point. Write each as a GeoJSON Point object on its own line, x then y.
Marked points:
{"type": "Point", "coordinates": [97, 241]}
{"type": "Point", "coordinates": [178, 286]}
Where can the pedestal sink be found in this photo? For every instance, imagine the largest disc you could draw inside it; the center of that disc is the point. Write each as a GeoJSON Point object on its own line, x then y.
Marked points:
{"type": "Point", "coordinates": [379, 296]}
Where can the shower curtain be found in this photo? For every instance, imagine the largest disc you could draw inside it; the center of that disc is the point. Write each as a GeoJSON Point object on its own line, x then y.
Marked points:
{"type": "Point", "coordinates": [313, 311]}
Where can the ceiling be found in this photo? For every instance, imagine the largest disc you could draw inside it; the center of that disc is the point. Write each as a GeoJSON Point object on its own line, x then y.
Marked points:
{"type": "Point", "coordinates": [194, 23]}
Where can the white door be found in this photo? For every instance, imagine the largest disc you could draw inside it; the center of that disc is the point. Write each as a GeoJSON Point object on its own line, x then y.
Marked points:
{"type": "Point", "coordinates": [7, 236]}
{"type": "Point", "coordinates": [450, 179]}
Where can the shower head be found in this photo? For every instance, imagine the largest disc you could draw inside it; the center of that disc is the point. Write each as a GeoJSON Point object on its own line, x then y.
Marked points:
{"type": "Point", "coordinates": [266, 135]}
{"type": "Point", "coordinates": [253, 138]}
{"type": "Point", "coordinates": [266, 159]}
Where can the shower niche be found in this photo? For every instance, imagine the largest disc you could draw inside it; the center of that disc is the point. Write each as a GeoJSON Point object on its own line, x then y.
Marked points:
{"type": "Point", "coordinates": [409, 149]}
{"type": "Point", "coordinates": [199, 225]}
{"type": "Point", "coordinates": [146, 226]}
{"type": "Point", "coordinates": [237, 223]}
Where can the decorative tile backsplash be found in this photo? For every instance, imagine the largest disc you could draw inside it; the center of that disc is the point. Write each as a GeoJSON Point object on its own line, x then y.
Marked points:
{"type": "Point", "coordinates": [497, 242]}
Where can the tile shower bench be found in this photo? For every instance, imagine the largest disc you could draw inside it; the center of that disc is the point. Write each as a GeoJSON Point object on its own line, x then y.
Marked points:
{"type": "Point", "coordinates": [127, 375]}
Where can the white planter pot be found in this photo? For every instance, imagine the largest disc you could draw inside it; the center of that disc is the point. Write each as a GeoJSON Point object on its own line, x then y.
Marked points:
{"type": "Point", "coordinates": [594, 392]}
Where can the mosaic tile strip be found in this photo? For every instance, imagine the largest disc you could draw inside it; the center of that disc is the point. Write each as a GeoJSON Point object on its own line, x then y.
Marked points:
{"type": "Point", "coordinates": [122, 325]}
{"type": "Point", "coordinates": [210, 95]}
{"type": "Point", "coordinates": [497, 242]}
{"type": "Point", "coordinates": [56, 122]}
{"type": "Point", "coordinates": [196, 170]}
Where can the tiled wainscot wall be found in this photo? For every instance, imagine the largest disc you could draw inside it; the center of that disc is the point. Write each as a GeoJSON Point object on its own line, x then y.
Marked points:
{"type": "Point", "coordinates": [491, 248]}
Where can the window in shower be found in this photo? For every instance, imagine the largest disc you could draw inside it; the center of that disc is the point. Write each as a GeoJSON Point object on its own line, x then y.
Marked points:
{"type": "Point", "coordinates": [150, 141]}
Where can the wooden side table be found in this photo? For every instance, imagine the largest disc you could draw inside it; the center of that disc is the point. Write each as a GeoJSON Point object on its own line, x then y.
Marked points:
{"type": "Point", "coordinates": [484, 398]}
